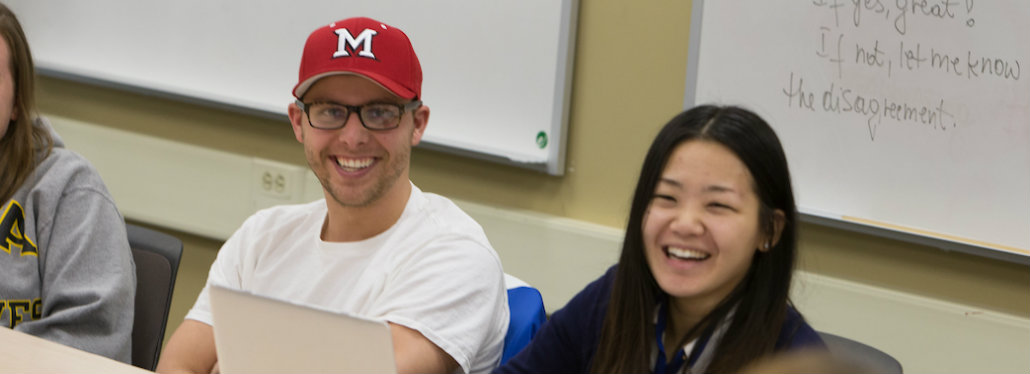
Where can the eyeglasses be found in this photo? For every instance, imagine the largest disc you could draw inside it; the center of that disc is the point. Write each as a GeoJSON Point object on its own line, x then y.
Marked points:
{"type": "Point", "coordinates": [373, 116]}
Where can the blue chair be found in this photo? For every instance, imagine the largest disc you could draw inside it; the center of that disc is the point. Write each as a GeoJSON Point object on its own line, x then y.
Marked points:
{"type": "Point", "coordinates": [526, 307]}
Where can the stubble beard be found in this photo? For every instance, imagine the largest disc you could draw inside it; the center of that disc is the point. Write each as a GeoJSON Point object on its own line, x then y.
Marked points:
{"type": "Point", "coordinates": [371, 195]}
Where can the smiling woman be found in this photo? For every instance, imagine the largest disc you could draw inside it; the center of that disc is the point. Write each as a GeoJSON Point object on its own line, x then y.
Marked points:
{"type": "Point", "coordinates": [701, 230]}
{"type": "Point", "coordinates": [706, 263]}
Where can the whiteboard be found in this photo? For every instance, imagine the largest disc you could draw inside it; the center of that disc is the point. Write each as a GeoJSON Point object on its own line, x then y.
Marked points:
{"type": "Point", "coordinates": [908, 117]}
{"type": "Point", "coordinates": [496, 72]}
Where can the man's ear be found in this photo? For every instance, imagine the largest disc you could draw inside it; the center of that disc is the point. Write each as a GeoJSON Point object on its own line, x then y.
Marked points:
{"type": "Point", "coordinates": [421, 120]}
{"type": "Point", "coordinates": [297, 119]}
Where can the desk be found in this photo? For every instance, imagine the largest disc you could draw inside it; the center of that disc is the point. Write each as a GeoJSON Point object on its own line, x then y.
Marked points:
{"type": "Point", "coordinates": [24, 353]}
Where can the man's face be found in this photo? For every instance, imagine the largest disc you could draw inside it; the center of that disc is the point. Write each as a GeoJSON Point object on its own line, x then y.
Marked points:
{"type": "Point", "coordinates": [357, 166]}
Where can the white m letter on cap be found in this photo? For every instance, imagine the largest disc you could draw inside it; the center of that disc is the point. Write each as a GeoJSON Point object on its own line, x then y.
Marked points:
{"type": "Point", "coordinates": [346, 39]}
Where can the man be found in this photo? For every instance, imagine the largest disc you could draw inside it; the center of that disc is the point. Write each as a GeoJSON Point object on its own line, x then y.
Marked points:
{"type": "Point", "coordinates": [376, 246]}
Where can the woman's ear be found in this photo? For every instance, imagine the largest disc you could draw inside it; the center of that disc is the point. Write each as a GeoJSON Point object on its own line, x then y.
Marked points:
{"type": "Point", "coordinates": [779, 220]}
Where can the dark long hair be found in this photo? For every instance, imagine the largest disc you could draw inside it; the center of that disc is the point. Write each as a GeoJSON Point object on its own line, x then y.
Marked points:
{"type": "Point", "coordinates": [761, 298]}
{"type": "Point", "coordinates": [19, 145]}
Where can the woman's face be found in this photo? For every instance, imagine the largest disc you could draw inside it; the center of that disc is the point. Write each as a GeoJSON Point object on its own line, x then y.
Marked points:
{"type": "Point", "coordinates": [701, 228]}
{"type": "Point", "coordinates": [7, 109]}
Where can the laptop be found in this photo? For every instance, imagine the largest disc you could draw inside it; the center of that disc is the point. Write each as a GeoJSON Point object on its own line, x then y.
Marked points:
{"type": "Point", "coordinates": [255, 334]}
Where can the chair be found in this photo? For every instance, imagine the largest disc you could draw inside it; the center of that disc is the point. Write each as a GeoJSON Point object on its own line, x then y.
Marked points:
{"type": "Point", "coordinates": [526, 308]}
{"type": "Point", "coordinates": [157, 261]}
{"type": "Point", "coordinates": [876, 360]}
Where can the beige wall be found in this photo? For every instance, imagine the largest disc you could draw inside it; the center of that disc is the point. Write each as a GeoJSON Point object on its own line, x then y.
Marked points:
{"type": "Point", "coordinates": [620, 97]}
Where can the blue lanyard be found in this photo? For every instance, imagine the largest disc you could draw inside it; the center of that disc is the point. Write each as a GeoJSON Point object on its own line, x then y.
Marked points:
{"type": "Point", "coordinates": [674, 366]}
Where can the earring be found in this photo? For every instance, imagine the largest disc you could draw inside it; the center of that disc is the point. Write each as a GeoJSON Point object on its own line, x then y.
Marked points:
{"type": "Point", "coordinates": [766, 245]}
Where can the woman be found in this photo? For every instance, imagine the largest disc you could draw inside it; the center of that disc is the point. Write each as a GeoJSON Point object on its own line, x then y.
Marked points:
{"type": "Point", "coordinates": [66, 272]}
{"type": "Point", "coordinates": [706, 263]}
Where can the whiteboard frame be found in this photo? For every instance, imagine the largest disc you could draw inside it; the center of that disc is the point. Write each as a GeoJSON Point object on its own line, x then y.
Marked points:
{"type": "Point", "coordinates": [690, 100]}
{"type": "Point", "coordinates": [557, 129]}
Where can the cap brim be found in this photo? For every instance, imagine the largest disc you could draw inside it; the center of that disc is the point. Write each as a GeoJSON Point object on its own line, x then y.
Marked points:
{"type": "Point", "coordinates": [301, 88]}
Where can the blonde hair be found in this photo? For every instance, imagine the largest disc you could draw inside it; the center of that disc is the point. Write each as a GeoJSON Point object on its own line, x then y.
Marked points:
{"type": "Point", "coordinates": [19, 145]}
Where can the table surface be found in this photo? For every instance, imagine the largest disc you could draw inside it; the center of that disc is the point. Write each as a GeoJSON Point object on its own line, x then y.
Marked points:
{"type": "Point", "coordinates": [25, 353]}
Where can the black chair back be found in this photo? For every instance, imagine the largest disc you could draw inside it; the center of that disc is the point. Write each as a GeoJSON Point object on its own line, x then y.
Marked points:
{"type": "Point", "coordinates": [876, 360]}
{"type": "Point", "coordinates": [157, 262]}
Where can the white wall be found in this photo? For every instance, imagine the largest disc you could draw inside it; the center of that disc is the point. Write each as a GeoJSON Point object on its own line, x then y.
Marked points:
{"type": "Point", "coordinates": [163, 182]}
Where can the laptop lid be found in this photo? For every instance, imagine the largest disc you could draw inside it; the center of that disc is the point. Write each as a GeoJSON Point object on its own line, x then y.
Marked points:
{"type": "Point", "coordinates": [255, 334]}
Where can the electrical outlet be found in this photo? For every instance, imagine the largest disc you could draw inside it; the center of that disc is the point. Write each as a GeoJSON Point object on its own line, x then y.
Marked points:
{"type": "Point", "coordinates": [275, 183]}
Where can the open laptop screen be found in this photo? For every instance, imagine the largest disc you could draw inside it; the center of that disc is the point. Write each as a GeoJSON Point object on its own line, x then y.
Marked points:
{"type": "Point", "coordinates": [255, 334]}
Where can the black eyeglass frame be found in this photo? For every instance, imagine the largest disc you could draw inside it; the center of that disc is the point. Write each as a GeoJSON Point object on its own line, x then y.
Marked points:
{"type": "Point", "coordinates": [404, 108]}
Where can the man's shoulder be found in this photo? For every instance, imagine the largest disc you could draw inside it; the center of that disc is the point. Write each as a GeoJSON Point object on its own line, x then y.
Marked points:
{"type": "Point", "coordinates": [439, 205]}
{"type": "Point", "coordinates": [446, 217]}
{"type": "Point", "coordinates": [278, 229]}
{"type": "Point", "coordinates": [286, 216]}
{"type": "Point", "coordinates": [435, 224]}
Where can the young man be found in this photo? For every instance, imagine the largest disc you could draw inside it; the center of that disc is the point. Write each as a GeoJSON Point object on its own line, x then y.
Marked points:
{"type": "Point", "coordinates": [376, 246]}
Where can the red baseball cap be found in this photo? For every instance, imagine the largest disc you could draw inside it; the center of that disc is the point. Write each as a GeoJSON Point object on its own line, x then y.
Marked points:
{"type": "Point", "coordinates": [365, 47]}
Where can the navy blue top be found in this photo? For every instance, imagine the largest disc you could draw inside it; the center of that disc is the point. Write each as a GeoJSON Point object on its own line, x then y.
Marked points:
{"type": "Point", "coordinates": [568, 340]}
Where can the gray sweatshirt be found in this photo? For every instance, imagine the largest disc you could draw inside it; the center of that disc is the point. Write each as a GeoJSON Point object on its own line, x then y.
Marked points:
{"type": "Point", "coordinates": [66, 271]}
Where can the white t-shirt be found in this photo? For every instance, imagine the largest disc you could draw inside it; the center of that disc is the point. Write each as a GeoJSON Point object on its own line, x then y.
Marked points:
{"type": "Point", "coordinates": [433, 271]}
